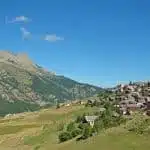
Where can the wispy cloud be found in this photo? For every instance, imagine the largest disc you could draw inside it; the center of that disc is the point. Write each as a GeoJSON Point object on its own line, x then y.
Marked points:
{"type": "Point", "coordinates": [53, 38]}
{"type": "Point", "coordinates": [18, 19]}
{"type": "Point", "coordinates": [25, 34]}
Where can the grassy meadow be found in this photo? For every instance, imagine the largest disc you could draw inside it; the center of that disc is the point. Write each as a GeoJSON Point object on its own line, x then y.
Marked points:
{"type": "Point", "coordinates": [39, 131]}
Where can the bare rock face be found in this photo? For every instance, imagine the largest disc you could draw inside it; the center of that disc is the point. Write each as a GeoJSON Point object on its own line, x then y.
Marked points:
{"type": "Point", "coordinates": [6, 56]}
{"type": "Point", "coordinates": [19, 60]}
{"type": "Point", "coordinates": [25, 61]}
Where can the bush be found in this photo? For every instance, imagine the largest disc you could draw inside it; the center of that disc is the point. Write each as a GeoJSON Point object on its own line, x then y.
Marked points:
{"type": "Point", "coordinates": [119, 120]}
{"type": "Point", "coordinates": [82, 125]}
{"type": "Point", "coordinates": [97, 113]}
{"type": "Point", "coordinates": [60, 127]}
{"type": "Point", "coordinates": [87, 132]}
{"type": "Point", "coordinates": [71, 126]}
{"type": "Point", "coordinates": [79, 119]}
{"type": "Point", "coordinates": [37, 147]}
{"type": "Point", "coordinates": [107, 119]}
{"type": "Point", "coordinates": [139, 124]}
{"type": "Point", "coordinates": [99, 125]}
{"type": "Point", "coordinates": [64, 136]}
{"type": "Point", "coordinates": [75, 133]}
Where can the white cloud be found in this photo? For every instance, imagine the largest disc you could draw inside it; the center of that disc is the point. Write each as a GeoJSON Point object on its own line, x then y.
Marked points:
{"type": "Point", "coordinates": [22, 19]}
{"type": "Point", "coordinates": [52, 38]}
{"type": "Point", "coordinates": [25, 34]}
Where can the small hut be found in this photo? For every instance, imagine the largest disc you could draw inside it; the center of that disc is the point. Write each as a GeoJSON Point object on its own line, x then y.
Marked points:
{"type": "Point", "coordinates": [102, 109]}
{"type": "Point", "coordinates": [91, 120]}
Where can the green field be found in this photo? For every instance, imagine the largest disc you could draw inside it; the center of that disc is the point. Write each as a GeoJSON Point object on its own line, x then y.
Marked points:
{"type": "Point", "coordinates": [39, 131]}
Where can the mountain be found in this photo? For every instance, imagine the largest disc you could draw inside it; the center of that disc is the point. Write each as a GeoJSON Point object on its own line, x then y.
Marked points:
{"type": "Point", "coordinates": [26, 86]}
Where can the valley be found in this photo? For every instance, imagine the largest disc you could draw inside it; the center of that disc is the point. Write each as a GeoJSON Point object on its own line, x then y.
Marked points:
{"type": "Point", "coordinates": [41, 110]}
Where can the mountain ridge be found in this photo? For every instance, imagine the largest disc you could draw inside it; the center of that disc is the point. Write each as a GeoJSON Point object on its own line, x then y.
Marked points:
{"type": "Point", "coordinates": [25, 84]}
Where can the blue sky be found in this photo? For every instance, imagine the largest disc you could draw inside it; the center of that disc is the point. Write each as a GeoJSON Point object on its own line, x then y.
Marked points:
{"type": "Point", "coordinates": [93, 41]}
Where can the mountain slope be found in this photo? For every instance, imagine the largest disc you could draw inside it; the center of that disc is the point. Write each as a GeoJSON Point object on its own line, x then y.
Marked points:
{"type": "Point", "coordinates": [27, 86]}
{"type": "Point", "coordinates": [39, 131]}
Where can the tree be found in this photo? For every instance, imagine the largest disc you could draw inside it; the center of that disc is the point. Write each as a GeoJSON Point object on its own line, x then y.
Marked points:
{"type": "Point", "coordinates": [107, 115]}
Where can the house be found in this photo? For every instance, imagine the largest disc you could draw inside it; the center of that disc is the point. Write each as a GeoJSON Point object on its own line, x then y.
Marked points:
{"type": "Point", "coordinates": [130, 88]}
{"type": "Point", "coordinates": [90, 102]}
{"type": "Point", "coordinates": [61, 104]}
{"type": "Point", "coordinates": [140, 105]}
{"type": "Point", "coordinates": [115, 114]}
{"type": "Point", "coordinates": [102, 109]}
{"type": "Point", "coordinates": [123, 103]}
{"type": "Point", "coordinates": [123, 110]}
{"type": "Point", "coordinates": [120, 88]}
{"type": "Point", "coordinates": [132, 107]}
{"type": "Point", "coordinates": [91, 120]}
{"type": "Point", "coordinates": [74, 102]}
{"type": "Point", "coordinates": [129, 108]}
{"type": "Point", "coordinates": [82, 102]}
{"type": "Point", "coordinates": [67, 105]}
{"type": "Point", "coordinates": [132, 101]}
{"type": "Point", "coordinates": [10, 115]}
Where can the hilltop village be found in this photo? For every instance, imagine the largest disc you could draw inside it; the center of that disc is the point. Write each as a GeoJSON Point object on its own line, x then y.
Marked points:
{"type": "Point", "coordinates": [128, 98]}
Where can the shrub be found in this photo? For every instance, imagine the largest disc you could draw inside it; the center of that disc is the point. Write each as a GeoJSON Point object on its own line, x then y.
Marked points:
{"type": "Point", "coordinates": [75, 133]}
{"type": "Point", "coordinates": [87, 132]}
{"type": "Point", "coordinates": [64, 136]}
{"type": "Point", "coordinates": [107, 119]}
{"type": "Point", "coordinates": [119, 120]}
{"type": "Point", "coordinates": [97, 113]}
{"type": "Point", "coordinates": [60, 126]}
{"type": "Point", "coordinates": [71, 126]}
{"type": "Point", "coordinates": [79, 119]}
{"type": "Point", "coordinates": [99, 125]}
{"type": "Point", "coordinates": [37, 147]}
{"type": "Point", "coordinates": [139, 124]}
{"type": "Point", "coordinates": [82, 125]}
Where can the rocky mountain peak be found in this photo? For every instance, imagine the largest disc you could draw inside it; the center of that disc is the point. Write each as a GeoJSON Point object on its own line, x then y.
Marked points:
{"type": "Point", "coordinates": [19, 60]}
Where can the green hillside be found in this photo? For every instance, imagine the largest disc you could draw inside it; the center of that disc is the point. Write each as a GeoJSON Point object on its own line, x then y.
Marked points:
{"type": "Point", "coordinates": [39, 131]}
{"type": "Point", "coordinates": [26, 86]}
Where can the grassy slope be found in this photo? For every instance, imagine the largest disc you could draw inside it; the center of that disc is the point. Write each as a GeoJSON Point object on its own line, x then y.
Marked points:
{"type": "Point", "coordinates": [128, 141]}
{"type": "Point", "coordinates": [38, 131]}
